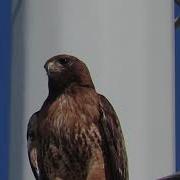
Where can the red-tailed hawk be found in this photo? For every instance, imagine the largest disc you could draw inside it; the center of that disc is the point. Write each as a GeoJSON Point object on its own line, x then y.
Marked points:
{"type": "Point", "coordinates": [76, 135]}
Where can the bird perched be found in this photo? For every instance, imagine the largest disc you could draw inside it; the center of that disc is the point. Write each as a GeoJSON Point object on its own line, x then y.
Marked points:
{"type": "Point", "coordinates": [76, 135]}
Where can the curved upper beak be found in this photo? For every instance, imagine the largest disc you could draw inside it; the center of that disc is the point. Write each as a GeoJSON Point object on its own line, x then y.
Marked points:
{"type": "Point", "coordinates": [52, 68]}
{"type": "Point", "coordinates": [46, 66]}
{"type": "Point", "coordinates": [49, 66]}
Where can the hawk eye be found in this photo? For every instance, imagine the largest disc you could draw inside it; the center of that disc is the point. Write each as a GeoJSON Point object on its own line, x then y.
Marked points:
{"type": "Point", "coordinates": [63, 61]}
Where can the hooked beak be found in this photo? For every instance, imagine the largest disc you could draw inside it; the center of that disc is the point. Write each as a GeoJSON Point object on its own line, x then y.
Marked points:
{"type": "Point", "coordinates": [49, 66]}
{"type": "Point", "coordinates": [52, 68]}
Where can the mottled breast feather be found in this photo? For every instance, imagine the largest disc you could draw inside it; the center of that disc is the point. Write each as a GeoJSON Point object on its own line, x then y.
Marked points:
{"type": "Point", "coordinates": [68, 139]}
{"type": "Point", "coordinates": [77, 136]}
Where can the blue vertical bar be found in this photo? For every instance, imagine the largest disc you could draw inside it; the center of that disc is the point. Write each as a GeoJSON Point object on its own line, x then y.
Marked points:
{"type": "Point", "coordinates": [5, 62]}
{"type": "Point", "coordinates": [177, 87]}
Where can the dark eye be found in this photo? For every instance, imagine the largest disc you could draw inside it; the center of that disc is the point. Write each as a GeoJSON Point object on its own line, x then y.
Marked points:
{"type": "Point", "coordinates": [63, 61]}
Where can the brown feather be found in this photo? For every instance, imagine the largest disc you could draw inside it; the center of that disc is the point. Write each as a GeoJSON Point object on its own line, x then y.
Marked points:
{"type": "Point", "coordinates": [115, 157]}
{"type": "Point", "coordinates": [72, 131]}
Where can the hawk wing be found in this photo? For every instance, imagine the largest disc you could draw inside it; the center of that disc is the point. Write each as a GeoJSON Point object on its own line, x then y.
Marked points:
{"type": "Point", "coordinates": [113, 146]}
{"type": "Point", "coordinates": [32, 145]}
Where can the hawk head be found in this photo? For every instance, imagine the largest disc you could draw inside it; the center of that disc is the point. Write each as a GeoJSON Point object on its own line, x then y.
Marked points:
{"type": "Point", "coordinates": [63, 70]}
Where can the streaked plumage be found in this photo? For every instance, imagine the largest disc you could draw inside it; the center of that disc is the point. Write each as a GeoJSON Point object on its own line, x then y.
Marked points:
{"type": "Point", "coordinates": [76, 135]}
